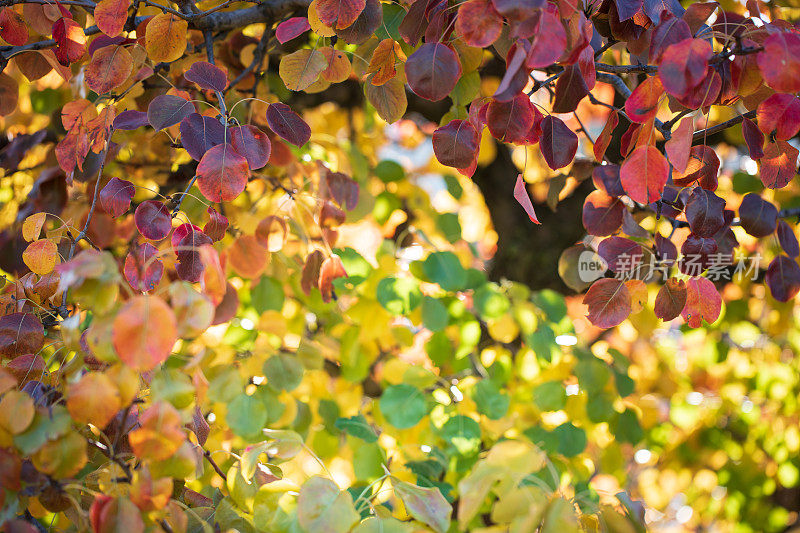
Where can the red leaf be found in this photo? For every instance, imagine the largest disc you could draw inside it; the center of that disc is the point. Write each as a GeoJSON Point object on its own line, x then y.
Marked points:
{"type": "Point", "coordinates": [602, 214]}
{"type": "Point", "coordinates": [701, 169]}
{"type": "Point", "coordinates": [705, 212]}
{"type": "Point", "coordinates": [604, 139]}
{"type": "Point", "coordinates": [153, 220]}
{"type": "Point", "coordinates": [788, 239]}
{"type": "Point", "coordinates": [253, 144]}
{"type": "Point", "coordinates": [783, 278]}
{"type": "Point", "coordinates": [167, 110]}
{"type": "Point", "coordinates": [180, 232]}
{"type": "Point", "coordinates": [291, 28]}
{"type": "Point", "coordinates": [644, 174]}
{"type": "Point", "coordinates": [779, 62]}
{"type": "Point", "coordinates": [433, 71]}
{"type": "Point", "coordinates": [70, 40]}
{"type": "Point", "coordinates": [703, 302]}
{"type": "Point", "coordinates": [609, 302]}
{"type": "Point", "coordinates": [778, 165]}
{"type": "Point", "coordinates": [287, 124]}
{"type": "Point", "coordinates": [754, 138]}
{"type": "Point", "coordinates": [758, 217]}
{"type": "Point", "coordinates": [642, 104]}
{"type": "Point", "coordinates": [20, 334]}
{"type": "Point", "coordinates": [216, 226]}
{"type": "Point", "coordinates": [311, 268]}
{"type": "Point", "coordinates": [697, 252]}
{"type": "Point", "coordinates": [571, 88]}
{"type": "Point", "coordinates": [339, 14]}
{"type": "Point", "coordinates": [558, 143]}
{"type": "Point", "coordinates": [623, 256]}
{"type": "Point", "coordinates": [478, 23]}
{"type": "Point", "coordinates": [343, 189]}
{"type": "Point", "coordinates": [550, 41]}
{"type": "Point", "coordinates": [200, 133]}
{"type": "Point", "coordinates": [669, 31]}
{"type": "Point", "coordinates": [222, 173]}
{"type": "Point", "coordinates": [671, 299]}
{"type": "Point", "coordinates": [143, 270]}
{"type": "Point", "coordinates": [190, 265]}
{"type": "Point", "coordinates": [510, 121]}
{"type": "Point", "coordinates": [115, 197]}
{"type": "Point", "coordinates": [684, 65]}
{"type": "Point", "coordinates": [13, 29]}
{"type": "Point", "coordinates": [780, 113]}
{"type": "Point", "coordinates": [521, 196]}
{"type": "Point", "coordinates": [331, 269]}
{"type": "Point", "coordinates": [679, 145]}
{"type": "Point", "coordinates": [456, 143]}
{"type": "Point", "coordinates": [518, 10]}
{"type": "Point", "coordinates": [207, 76]}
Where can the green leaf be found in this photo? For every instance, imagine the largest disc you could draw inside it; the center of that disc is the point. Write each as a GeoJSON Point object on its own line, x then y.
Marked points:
{"type": "Point", "coordinates": [463, 433]}
{"type": "Point", "coordinates": [489, 400]}
{"type": "Point", "coordinates": [399, 296]}
{"type": "Point", "coordinates": [389, 171]}
{"type": "Point", "coordinates": [550, 396]}
{"type": "Point", "coordinates": [592, 374]}
{"type": "Point", "coordinates": [283, 371]}
{"type": "Point", "coordinates": [403, 405]}
{"type": "Point", "coordinates": [426, 505]}
{"type": "Point", "coordinates": [434, 314]}
{"type": "Point", "coordinates": [322, 507]}
{"type": "Point", "coordinates": [450, 226]}
{"type": "Point", "coordinates": [571, 439]}
{"type": "Point", "coordinates": [247, 415]}
{"type": "Point", "coordinates": [267, 295]}
{"type": "Point", "coordinates": [386, 203]}
{"type": "Point", "coordinates": [445, 269]}
{"type": "Point", "coordinates": [358, 269]}
{"type": "Point", "coordinates": [490, 302]}
{"type": "Point", "coordinates": [453, 186]}
{"type": "Point", "coordinates": [357, 426]}
{"type": "Point", "coordinates": [627, 428]}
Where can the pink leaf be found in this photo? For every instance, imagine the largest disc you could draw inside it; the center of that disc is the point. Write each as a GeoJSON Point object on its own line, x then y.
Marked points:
{"type": "Point", "coordinates": [521, 195]}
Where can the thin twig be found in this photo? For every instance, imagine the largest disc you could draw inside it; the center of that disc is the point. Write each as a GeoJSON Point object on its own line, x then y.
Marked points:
{"type": "Point", "coordinates": [214, 465]}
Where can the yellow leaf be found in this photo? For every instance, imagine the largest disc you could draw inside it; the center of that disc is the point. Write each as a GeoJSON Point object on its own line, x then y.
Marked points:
{"type": "Point", "coordinates": [300, 69]}
{"type": "Point", "coordinates": [388, 99]}
{"type": "Point", "coordinates": [16, 412]}
{"type": "Point", "coordinates": [165, 37]}
{"type": "Point", "coordinates": [319, 27]}
{"type": "Point", "coordinates": [32, 226]}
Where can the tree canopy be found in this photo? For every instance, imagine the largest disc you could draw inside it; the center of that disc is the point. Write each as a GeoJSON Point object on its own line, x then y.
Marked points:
{"type": "Point", "coordinates": [395, 266]}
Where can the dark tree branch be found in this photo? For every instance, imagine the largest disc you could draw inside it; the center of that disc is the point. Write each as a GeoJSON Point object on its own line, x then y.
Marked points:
{"type": "Point", "coordinates": [626, 69]}
{"type": "Point", "coordinates": [700, 135]}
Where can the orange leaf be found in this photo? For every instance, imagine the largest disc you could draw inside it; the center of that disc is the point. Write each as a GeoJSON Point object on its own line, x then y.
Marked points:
{"type": "Point", "coordinates": [160, 433]}
{"type": "Point", "coordinates": [383, 61]}
{"type": "Point", "coordinates": [93, 400]}
{"type": "Point", "coordinates": [109, 68]}
{"type": "Point", "coordinates": [144, 332]}
{"type": "Point", "coordinates": [41, 256]}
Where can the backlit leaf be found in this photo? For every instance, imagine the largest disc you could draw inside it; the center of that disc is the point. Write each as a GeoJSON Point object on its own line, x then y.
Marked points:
{"type": "Point", "coordinates": [222, 173]}
{"type": "Point", "coordinates": [144, 332]}
{"type": "Point", "coordinates": [165, 39]}
{"type": "Point", "coordinates": [644, 174]}
{"type": "Point", "coordinates": [432, 71]}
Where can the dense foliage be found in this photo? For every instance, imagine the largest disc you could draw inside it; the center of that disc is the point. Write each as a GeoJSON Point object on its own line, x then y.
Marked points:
{"type": "Point", "coordinates": [248, 275]}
